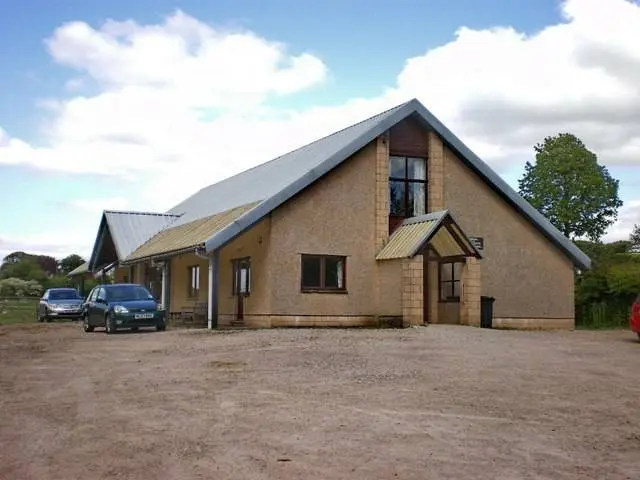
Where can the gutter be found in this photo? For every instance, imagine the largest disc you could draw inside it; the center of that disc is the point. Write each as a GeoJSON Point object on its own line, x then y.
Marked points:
{"type": "Point", "coordinates": [161, 256]}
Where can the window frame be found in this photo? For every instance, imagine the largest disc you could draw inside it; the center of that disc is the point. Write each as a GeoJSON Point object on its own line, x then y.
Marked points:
{"type": "Point", "coordinates": [235, 276]}
{"type": "Point", "coordinates": [409, 181]}
{"type": "Point", "coordinates": [323, 288]}
{"type": "Point", "coordinates": [453, 281]}
{"type": "Point", "coordinates": [193, 292]}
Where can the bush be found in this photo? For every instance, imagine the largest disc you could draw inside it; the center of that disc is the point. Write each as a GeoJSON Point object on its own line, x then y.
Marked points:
{"type": "Point", "coordinates": [15, 287]}
{"type": "Point", "coordinates": [58, 281]}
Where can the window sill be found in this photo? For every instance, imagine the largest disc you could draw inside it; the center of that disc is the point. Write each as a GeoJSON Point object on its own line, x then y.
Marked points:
{"type": "Point", "coordinates": [449, 300]}
{"type": "Point", "coordinates": [323, 290]}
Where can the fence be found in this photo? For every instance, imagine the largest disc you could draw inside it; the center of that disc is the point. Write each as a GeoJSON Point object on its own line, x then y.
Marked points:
{"type": "Point", "coordinates": [18, 309]}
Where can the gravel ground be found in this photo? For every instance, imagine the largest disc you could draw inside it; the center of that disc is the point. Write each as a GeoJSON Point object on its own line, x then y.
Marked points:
{"type": "Point", "coordinates": [430, 402]}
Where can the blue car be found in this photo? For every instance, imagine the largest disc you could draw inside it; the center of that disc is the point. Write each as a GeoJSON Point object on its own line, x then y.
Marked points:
{"type": "Point", "coordinates": [60, 303]}
{"type": "Point", "coordinates": [122, 306]}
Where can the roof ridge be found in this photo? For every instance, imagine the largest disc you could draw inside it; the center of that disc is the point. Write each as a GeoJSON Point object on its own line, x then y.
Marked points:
{"type": "Point", "coordinates": [430, 121]}
{"type": "Point", "coordinates": [133, 212]}
{"type": "Point", "coordinates": [304, 146]}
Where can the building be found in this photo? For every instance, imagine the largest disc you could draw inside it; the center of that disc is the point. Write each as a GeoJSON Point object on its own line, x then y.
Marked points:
{"type": "Point", "coordinates": [392, 219]}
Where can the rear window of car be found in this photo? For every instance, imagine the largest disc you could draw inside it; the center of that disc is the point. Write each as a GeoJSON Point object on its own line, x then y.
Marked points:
{"type": "Point", "coordinates": [69, 294]}
{"type": "Point", "coordinates": [128, 292]}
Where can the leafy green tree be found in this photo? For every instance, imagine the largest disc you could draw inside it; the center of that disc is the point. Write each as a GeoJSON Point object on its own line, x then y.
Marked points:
{"type": "Point", "coordinates": [26, 269]}
{"type": "Point", "coordinates": [634, 239]}
{"type": "Point", "coordinates": [48, 264]}
{"type": "Point", "coordinates": [70, 263]}
{"type": "Point", "coordinates": [568, 186]}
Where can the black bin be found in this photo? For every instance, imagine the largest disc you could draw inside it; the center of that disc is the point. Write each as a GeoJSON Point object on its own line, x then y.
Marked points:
{"type": "Point", "coordinates": [486, 312]}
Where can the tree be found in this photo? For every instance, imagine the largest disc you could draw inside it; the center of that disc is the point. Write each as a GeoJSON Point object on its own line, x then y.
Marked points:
{"type": "Point", "coordinates": [58, 281]}
{"type": "Point", "coordinates": [567, 186]}
{"type": "Point", "coordinates": [69, 263]}
{"type": "Point", "coordinates": [26, 269]}
{"type": "Point", "coordinates": [635, 238]}
{"type": "Point", "coordinates": [48, 264]}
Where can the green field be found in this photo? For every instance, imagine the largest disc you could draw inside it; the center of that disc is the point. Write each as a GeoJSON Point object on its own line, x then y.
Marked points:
{"type": "Point", "coordinates": [18, 310]}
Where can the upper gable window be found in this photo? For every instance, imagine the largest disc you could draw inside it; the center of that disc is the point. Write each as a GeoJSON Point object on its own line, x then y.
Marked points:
{"type": "Point", "coordinates": [407, 186]}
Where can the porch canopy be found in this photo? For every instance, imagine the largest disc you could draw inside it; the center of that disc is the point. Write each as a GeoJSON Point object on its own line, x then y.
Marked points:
{"type": "Point", "coordinates": [437, 230]}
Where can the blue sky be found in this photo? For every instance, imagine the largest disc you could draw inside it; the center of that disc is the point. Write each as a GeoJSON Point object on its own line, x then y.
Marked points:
{"type": "Point", "coordinates": [86, 128]}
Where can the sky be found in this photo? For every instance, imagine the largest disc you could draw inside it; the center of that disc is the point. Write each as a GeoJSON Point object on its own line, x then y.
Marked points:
{"type": "Point", "coordinates": [135, 105]}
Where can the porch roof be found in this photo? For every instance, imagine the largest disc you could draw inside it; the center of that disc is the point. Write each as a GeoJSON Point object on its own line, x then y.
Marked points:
{"type": "Point", "coordinates": [438, 230]}
{"type": "Point", "coordinates": [79, 270]}
{"type": "Point", "coordinates": [187, 236]}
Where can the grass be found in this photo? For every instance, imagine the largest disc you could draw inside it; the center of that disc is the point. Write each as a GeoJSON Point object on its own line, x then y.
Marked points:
{"type": "Point", "coordinates": [18, 310]}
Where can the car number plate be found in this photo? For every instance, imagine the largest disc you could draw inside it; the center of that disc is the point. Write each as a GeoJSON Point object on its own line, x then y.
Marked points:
{"type": "Point", "coordinates": [143, 315]}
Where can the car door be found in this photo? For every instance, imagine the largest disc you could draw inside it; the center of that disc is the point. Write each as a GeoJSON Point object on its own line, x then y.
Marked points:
{"type": "Point", "coordinates": [89, 305]}
{"type": "Point", "coordinates": [100, 307]}
{"type": "Point", "coordinates": [42, 307]}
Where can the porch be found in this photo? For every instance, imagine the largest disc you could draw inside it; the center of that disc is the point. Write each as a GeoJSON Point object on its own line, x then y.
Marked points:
{"type": "Point", "coordinates": [424, 245]}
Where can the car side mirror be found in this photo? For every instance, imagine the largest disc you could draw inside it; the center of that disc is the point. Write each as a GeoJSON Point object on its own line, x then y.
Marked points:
{"type": "Point", "coordinates": [100, 300]}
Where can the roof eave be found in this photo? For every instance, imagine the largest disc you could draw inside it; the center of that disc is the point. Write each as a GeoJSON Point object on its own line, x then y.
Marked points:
{"type": "Point", "coordinates": [250, 218]}
{"type": "Point", "coordinates": [580, 259]}
{"type": "Point", "coordinates": [247, 220]}
{"type": "Point", "coordinates": [161, 255]}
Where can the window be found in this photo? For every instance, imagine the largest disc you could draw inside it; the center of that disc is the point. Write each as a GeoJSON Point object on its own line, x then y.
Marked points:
{"type": "Point", "coordinates": [93, 295]}
{"type": "Point", "coordinates": [194, 281]}
{"type": "Point", "coordinates": [323, 273]}
{"type": "Point", "coordinates": [407, 186]}
{"type": "Point", "coordinates": [128, 292]}
{"type": "Point", "coordinates": [63, 294]}
{"type": "Point", "coordinates": [102, 295]}
{"type": "Point", "coordinates": [450, 281]}
{"type": "Point", "coordinates": [242, 276]}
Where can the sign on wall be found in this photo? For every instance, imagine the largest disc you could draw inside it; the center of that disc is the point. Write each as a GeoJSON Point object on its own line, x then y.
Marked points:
{"type": "Point", "coordinates": [478, 243]}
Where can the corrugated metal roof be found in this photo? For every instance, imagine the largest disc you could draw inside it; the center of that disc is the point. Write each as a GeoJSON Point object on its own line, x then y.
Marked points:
{"type": "Point", "coordinates": [189, 235]}
{"type": "Point", "coordinates": [270, 178]}
{"type": "Point", "coordinates": [406, 240]}
{"type": "Point", "coordinates": [415, 233]}
{"type": "Point", "coordinates": [79, 270]}
{"type": "Point", "coordinates": [129, 230]}
{"type": "Point", "coordinates": [273, 183]}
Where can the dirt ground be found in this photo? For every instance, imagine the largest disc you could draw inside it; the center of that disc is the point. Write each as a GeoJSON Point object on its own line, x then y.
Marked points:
{"type": "Point", "coordinates": [431, 402]}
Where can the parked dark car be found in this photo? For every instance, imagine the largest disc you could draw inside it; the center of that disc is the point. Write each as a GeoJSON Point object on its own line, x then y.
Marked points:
{"type": "Point", "coordinates": [122, 306]}
{"type": "Point", "coordinates": [634, 320]}
{"type": "Point", "coordinates": [60, 303]}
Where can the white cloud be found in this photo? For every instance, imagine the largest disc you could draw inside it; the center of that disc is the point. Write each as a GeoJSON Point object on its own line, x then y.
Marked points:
{"type": "Point", "coordinates": [58, 245]}
{"type": "Point", "coordinates": [628, 216]}
{"type": "Point", "coordinates": [183, 104]}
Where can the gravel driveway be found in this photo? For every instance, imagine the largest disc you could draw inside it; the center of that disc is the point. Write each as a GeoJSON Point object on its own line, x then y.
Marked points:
{"type": "Point", "coordinates": [431, 402]}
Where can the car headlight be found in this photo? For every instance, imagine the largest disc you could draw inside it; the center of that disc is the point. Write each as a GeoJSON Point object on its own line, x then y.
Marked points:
{"type": "Point", "coordinates": [160, 307]}
{"type": "Point", "coordinates": [53, 306]}
{"type": "Point", "coordinates": [120, 309]}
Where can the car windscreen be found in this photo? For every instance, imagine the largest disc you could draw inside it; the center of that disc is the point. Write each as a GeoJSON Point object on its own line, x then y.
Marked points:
{"type": "Point", "coordinates": [128, 292]}
{"type": "Point", "coordinates": [63, 295]}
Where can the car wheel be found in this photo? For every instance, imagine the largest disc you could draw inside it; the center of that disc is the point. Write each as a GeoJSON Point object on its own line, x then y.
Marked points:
{"type": "Point", "coordinates": [110, 327]}
{"type": "Point", "coordinates": [85, 325]}
{"type": "Point", "coordinates": [134, 329]}
{"type": "Point", "coordinates": [161, 327]}
{"type": "Point", "coordinates": [639, 336]}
